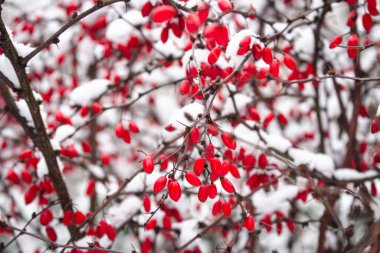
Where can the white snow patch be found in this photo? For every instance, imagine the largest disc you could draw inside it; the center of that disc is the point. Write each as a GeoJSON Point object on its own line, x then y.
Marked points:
{"type": "Point", "coordinates": [89, 91]}
{"type": "Point", "coordinates": [320, 162]}
{"type": "Point", "coordinates": [25, 112]}
{"type": "Point", "coordinates": [277, 142]}
{"type": "Point", "coordinates": [241, 102]}
{"type": "Point", "coordinates": [233, 46]}
{"type": "Point", "coordinates": [351, 174]}
{"type": "Point", "coordinates": [63, 132]}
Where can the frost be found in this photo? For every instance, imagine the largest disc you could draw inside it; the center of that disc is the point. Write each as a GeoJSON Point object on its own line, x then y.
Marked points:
{"type": "Point", "coordinates": [88, 92]}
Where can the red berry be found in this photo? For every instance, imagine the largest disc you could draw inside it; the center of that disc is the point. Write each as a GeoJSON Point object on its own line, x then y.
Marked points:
{"type": "Point", "coordinates": [203, 12]}
{"type": "Point", "coordinates": [126, 136]}
{"type": "Point", "coordinates": [263, 161]}
{"type": "Point", "coordinates": [290, 225]}
{"type": "Point", "coordinates": [268, 119]}
{"type": "Point", "coordinates": [203, 193]}
{"type": "Point", "coordinates": [227, 185]}
{"type": "Point", "coordinates": [30, 194]}
{"type": "Point", "coordinates": [166, 222]}
{"type": "Point", "coordinates": [267, 55]}
{"type": "Point", "coordinates": [146, 204]}
{"type": "Point", "coordinates": [374, 127]}
{"type": "Point", "coordinates": [249, 223]}
{"type": "Point", "coordinates": [254, 114]}
{"type": "Point", "coordinates": [84, 111]}
{"type": "Point", "coordinates": [216, 208]}
{"type": "Point", "coordinates": [148, 164]}
{"type": "Point", "coordinates": [274, 68]}
{"type": "Point", "coordinates": [96, 107]}
{"type": "Point", "coordinates": [192, 22]}
{"type": "Point", "coordinates": [282, 119]}
{"type": "Point", "coordinates": [266, 222]}
{"type": "Point", "coordinates": [90, 187]}
{"type": "Point", "coordinates": [46, 217]}
{"type": "Point", "coordinates": [229, 140]}
{"type": "Point", "coordinates": [257, 51]}
{"type": "Point", "coordinates": [194, 135]}
{"type": "Point", "coordinates": [192, 179]}
{"type": "Point", "coordinates": [234, 171]}
{"type": "Point", "coordinates": [226, 209]}
{"type": "Point", "coordinates": [216, 166]}
{"type": "Point", "coordinates": [225, 167]}
{"type": "Point", "coordinates": [111, 232]}
{"type": "Point", "coordinates": [151, 224]}
{"type": "Point", "coordinates": [212, 129]}
{"type": "Point", "coordinates": [353, 41]}
{"type": "Point", "coordinates": [290, 63]}
{"type": "Point", "coordinates": [367, 21]}
{"type": "Point", "coordinates": [160, 184]}
{"type": "Point", "coordinates": [373, 189]}
{"type": "Point", "coordinates": [51, 234]}
{"type": "Point", "coordinates": [146, 9]}
{"type": "Point", "coordinates": [13, 177]}
{"type": "Point", "coordinates": [27, 153]}
{"type": "Point", "coordinates": [351, 2]}
{"type": "Point", "coordinates": [199, 165]}
{"type": "Point", "coordinates": [26, 176]}
{"type": "Point", "coordinates": [67, 218]}
{"type": "Point", "coordinates": [225, 5]}
{"type": "Point", "coordinates": [352, 17]}
{"type": "Point", "coordinates": [79, 217]}
{"type": "Point", "coordinates": [244, 45]}
{"type": "Point", "coordinates": [133, 127]}
{"type": "Point", "coordinates": [221, 35]}
{"type": "Point", "coordinates": [174, 190]}
{"type": "Point", "coordinates": [163, 13]}
{"type": "Point", "coordinates": [214, 55]}
{"type": "Point", "coordinates": [336, 41]}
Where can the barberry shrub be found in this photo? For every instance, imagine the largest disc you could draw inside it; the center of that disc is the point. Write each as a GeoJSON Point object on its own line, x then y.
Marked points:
{"type": "Point", "coordinates": [189, 126]}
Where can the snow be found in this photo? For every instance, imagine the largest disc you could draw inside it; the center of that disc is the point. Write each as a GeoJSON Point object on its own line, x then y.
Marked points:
{"type": "Point", "coordinates": [277, 142]}
{"type": "Point", "coordinates": [351, 174]}
{"type": "Point", "coordinates": [88, 92]}
{"type": "Point", "coordinates": [179, 121]}
{"type": "Point", "coordinates": [320, 162]}
{"type": "Point", "coordinates": [22, 49]}
{"type": "Point", "coordinates": [25, 112]}
{"type": "Point", "coordinates": [7, 69]}
{"type": "Point", "coordinates": [233, 46]}
{"type": "Point", "coordinates": [269, 202]}
{"type": "Point", "coordinates": [241, 102]}
{"type": "Point", "coordinates": [118, 31]}
{"type": "Point", "coordinates": [97, 170]}
{"type": "Point", "coordinates": [125, 210]}
{"type": "Point", "coordinates": [63, 132]}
